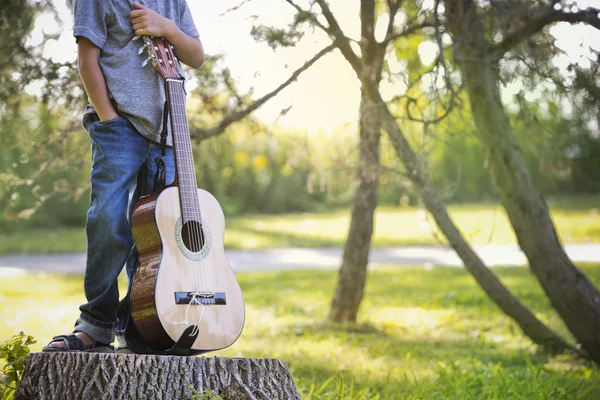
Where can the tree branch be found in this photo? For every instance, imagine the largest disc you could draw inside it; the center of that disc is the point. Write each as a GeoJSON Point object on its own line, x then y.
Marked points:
{"type": "Point", "coordinates": [590, 16]}
{"type": "Point", "coordinates": [409, 30]}
{"type": "Point", "coordinates": [201, 134]}
{"type": "Point", "coordinates": [341, 41]}
{"type": "Point", "coordinates": [313, 18]}
{"type": "Point", "coordinates": [394, 6]}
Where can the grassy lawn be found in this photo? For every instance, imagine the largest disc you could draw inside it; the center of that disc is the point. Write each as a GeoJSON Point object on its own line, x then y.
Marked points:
{"type": "Point", "coordinates": [576, 219]}
{"type": "Point", "coordinates": [424, 334]}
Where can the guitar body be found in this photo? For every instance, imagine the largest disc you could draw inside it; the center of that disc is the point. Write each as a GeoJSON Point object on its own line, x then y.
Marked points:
{"type": "Point", "coordinates": [174, 287]}
{"type": "Point", "coordinates": [183, 279]}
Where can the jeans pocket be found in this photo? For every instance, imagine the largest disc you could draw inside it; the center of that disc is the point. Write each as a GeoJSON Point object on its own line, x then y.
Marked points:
{"type": "Point", "coordinates": [108, 121]}
{"type": "Point", "coordinates": [98, 130]}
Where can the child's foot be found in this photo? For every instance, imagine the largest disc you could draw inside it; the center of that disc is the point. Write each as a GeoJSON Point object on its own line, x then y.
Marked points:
{"type": "Point", "coordinates": [77, 341]}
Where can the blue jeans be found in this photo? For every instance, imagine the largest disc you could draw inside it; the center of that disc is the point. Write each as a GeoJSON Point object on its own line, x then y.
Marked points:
{"type": "Point", "coordinates": [119, 153]}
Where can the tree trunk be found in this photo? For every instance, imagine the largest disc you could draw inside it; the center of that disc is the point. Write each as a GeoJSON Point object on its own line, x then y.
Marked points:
{"type": "Point", "coordinates": [572, 295]}
{"type": "Point", "coordinates": [531, 326]}
{"type": "Point", "coordinates": [353, 272]}
{"type": "Point", "coordinates": [491, 285]}
{"type": "Point", "coordinates": [97, 376]}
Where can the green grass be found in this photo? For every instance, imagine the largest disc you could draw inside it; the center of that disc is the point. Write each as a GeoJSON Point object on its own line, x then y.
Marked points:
{"type": "Point", "coordinates": [577, 220]}
{"type": "Point", "coordinates": [423, 334]}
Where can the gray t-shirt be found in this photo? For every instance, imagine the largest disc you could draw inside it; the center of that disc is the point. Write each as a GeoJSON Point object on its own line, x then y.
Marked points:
{"type": "Point", "coordinates": [137, 92]}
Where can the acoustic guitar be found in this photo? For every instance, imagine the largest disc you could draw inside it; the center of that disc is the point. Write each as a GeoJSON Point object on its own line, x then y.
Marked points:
{"type": "Point", "coordinates": [183, 278]}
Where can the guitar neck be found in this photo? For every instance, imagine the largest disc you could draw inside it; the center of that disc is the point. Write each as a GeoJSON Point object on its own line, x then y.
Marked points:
{"type": "Point", "coordinates": [184, 159]}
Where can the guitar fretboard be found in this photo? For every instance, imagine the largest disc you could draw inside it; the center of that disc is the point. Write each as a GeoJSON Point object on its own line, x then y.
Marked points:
{"type": "Point", "coordinates": [184, 159]}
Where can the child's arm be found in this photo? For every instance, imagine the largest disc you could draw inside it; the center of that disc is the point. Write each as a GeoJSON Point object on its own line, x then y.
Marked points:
{"type": "Point", "coordinates": [148, 22]}
{"type": "Point", "coordinates": [93, 79]}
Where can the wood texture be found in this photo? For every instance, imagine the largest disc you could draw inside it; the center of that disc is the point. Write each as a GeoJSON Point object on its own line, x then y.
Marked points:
{"type": "Point", "coordinates": [149, 246]}
{"type": "Point", "coordinates": [219, 325]}
{"type": "Point", "coordinates": [87, 376]}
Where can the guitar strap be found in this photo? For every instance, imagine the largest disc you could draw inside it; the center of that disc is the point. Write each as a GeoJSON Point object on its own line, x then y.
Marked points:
{"type": "Point", "coordinates": [183, 346]}
{"type": "Point", "coordinates": [161, 173]}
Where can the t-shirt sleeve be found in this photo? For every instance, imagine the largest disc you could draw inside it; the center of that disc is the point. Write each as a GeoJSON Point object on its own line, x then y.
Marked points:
{"type": "Point", "coordinates": [186, 22]}
{"type": "Point", "coordinates": [90, 19]}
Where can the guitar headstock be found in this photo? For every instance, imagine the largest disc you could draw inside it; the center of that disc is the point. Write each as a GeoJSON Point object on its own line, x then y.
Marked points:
{"type": "Point", "coordinates": [162, 56]}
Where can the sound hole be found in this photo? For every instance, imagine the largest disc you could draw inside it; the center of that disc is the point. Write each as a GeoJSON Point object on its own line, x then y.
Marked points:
{"type": "Point", "coordinates": [193, 236]}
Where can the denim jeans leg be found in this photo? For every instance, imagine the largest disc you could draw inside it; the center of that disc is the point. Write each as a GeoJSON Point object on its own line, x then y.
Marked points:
{"type": "Point", "coordinates": [118, 151]}
{"type": "Point", "coordinates": [124, 312]}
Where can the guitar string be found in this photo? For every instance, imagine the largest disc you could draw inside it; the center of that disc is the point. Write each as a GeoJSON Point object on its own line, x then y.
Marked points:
{"type": "Point", "coordinates": [190, 232]}
{"type": "Point", "coordinates": [200, 291]}
{"type": "Point", "coordinates": [181, 168]}
{"type": "Point", "coordinates": [180, 96]}
{"type": "Point", "coordinates": [208, 279]}
{"type": "Point", "coordinates": [185, 145]}
{"type": "Point", "coordinates": [180, 121]}
{"type": "Point", "coordinates": [194, 235]}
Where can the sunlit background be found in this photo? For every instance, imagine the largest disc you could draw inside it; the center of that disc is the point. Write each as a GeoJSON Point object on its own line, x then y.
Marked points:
{"type": "Point", "coordinates": [286, 181]}
{"type": "Point", "coordinates": [327, 95]}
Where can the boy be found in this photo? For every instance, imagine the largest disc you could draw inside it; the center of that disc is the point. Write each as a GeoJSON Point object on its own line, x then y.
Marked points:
{"type": "Point", "coordinates": [124, 123]}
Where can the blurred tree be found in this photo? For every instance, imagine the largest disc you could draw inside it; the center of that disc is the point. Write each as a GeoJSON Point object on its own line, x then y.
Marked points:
{"type": "Point", "coordinates": [36, 163]}
{"type": "Point", "coordinates": [517, 23]}
{"type": "Point", "coordinates": [44, 151]}
{"type": "Point", "coordinates": [367, 62]}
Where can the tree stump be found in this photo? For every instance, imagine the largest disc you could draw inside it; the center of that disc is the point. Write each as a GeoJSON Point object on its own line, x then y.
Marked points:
{"type": "Point", "coordinates": [97, 376]}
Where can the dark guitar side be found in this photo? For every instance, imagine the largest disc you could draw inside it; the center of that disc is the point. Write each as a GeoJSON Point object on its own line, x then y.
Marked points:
{"type": "Point", "coordinates": [149, 247]}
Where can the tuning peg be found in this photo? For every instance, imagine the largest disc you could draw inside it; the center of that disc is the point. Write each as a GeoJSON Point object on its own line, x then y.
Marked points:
{"type": "Point", "coordinates": [145, 62]}
{"type": "Point", "coordinates": [141, 50]}
{"type": "Point", "coordinates": [135, 38]}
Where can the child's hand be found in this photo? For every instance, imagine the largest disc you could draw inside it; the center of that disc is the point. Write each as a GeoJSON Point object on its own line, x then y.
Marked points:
{"type": "Point", "coordinates": [148, 22]}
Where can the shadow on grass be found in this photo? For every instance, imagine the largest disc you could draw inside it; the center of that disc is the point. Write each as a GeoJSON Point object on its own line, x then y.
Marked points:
{"type": "Point", "coordinates": [425, 333]}
{"type": "Point", "coordinates": [441, 287]}
{"type": "Point", "coordinates": [433, 368]}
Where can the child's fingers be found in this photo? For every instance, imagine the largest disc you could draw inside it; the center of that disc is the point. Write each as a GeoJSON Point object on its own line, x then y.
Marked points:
{"type": "Point", "coordinates": [139, 6]}
{"type": "Point", "coordinates": [136, 13]}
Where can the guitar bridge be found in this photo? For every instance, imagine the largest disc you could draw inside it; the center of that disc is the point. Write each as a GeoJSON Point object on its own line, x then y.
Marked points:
{"type": "Point", "coordinates": [207, 299]}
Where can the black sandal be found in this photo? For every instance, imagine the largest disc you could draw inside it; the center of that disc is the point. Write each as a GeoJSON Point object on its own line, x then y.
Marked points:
{"type": "Point", "coordinates": [74, 343]}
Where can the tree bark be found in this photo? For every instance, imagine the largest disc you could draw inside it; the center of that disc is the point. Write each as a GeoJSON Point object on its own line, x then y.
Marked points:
{"type": "Point", "coordinates": [491, 285]}
{"type": "Point", "coordinates": [97, 376]}
{"type": "Point", "coordinates": [353, 272]}
{"type": "Point", "coordinates": [571, 293]}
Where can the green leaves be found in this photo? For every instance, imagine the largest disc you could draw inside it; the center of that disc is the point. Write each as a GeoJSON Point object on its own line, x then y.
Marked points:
{"type": "Point", "coordinates": [14, 353]}
{"type": "Point", "coordinates": [275, 37]}
{"type": "Point", "coordinates": [204, 395]}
